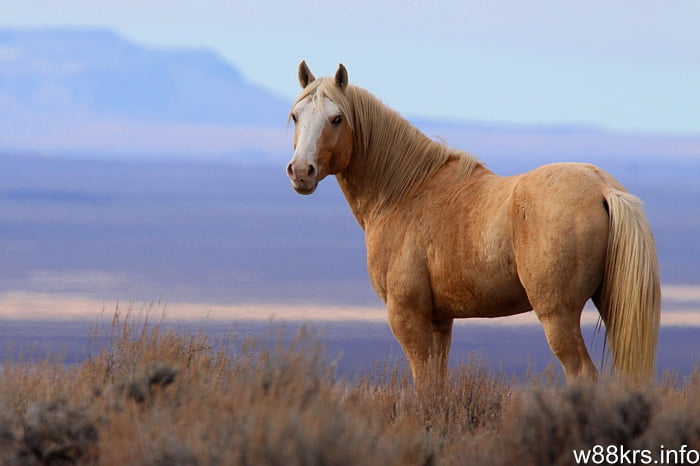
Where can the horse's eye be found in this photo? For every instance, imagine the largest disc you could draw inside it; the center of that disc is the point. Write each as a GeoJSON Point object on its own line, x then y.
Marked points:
{"type": "Point", "coordinates": [337, 120]}
{"type": "Point", "coordinates": [294, 118]}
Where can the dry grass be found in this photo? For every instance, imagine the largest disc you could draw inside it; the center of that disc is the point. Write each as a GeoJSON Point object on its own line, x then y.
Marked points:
{"type": "Point", "coordinates": [155, 396]}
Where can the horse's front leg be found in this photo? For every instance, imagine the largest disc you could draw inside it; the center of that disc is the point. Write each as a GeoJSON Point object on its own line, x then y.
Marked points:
{"type": "Point", "coordinates": [425, 342]}
{"type": "Point", "coordinates": [442, 337]}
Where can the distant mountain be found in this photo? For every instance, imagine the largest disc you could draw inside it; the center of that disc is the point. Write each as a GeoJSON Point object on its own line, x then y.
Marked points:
{"type": "Point", "coordinates": [98, 74]}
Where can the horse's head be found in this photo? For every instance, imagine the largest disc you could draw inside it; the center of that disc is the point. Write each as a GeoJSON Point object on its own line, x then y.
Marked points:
{"type": "Point", "coordinates": [323, 133]}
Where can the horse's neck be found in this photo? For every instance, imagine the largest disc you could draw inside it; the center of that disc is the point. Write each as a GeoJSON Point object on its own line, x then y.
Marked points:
{"type": "Point", "coordinates": [366, 199]}
{"type": "Point", "coordinates": [358, 194]}
{"type": "Point", "coordinates": [365, 196]}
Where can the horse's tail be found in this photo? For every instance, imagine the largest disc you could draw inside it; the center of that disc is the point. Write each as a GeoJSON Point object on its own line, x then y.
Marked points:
{"type": "Point", "coordinates": [630, 299]}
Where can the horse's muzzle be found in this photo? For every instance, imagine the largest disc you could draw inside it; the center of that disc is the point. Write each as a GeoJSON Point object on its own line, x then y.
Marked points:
{"type": "Point", "coordinates": [304, 177]}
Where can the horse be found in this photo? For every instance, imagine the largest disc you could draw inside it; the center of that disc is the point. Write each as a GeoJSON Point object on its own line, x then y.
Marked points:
{"type": "Point", "coordinates": [447, 238]}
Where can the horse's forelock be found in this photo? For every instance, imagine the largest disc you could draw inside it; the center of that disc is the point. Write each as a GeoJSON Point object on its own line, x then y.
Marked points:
{"type": "Point", "coordinates": [322, 88]}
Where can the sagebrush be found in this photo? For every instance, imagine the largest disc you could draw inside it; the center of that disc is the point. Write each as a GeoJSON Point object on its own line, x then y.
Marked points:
{"type": "Point", "coordinates": [160, 396]}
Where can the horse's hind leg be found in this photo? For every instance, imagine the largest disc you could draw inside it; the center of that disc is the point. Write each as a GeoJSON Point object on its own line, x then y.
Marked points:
{"type": "Point", "coordinates": [562, 327]}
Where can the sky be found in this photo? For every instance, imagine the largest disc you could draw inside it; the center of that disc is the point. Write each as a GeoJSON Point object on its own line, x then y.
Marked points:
{"type": "Point", "coordinates": [626, 65]}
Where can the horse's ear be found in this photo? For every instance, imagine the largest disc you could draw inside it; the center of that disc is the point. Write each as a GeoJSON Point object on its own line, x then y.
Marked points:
{"type": "Point", "coordinates": [305, 74]}
{"type": "Point", "coordinates": [341, 77]}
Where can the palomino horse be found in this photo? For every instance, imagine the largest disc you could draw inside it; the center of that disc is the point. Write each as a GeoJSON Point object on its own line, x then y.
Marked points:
{"type": "Point", "coordinates": [447, 238]}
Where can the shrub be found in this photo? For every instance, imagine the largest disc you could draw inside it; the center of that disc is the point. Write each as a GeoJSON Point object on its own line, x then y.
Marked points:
{"type": "Point", "coordinates": [152, 394]}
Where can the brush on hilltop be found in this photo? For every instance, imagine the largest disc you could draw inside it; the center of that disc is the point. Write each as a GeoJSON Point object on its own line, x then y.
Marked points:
{"type": "Point", "coordinates": [156, 395]}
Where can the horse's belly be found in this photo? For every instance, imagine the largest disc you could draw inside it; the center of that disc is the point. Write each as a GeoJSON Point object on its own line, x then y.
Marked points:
{"type": "Point", "coordinates": [479, 297]}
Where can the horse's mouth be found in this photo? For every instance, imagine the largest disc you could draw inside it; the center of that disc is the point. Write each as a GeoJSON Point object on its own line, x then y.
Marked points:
{"type": "Point", "coordinates": [305, 191]}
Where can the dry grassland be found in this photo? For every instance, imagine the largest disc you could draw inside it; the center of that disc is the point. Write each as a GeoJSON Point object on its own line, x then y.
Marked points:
{"type": "Point", "coordinates": [156, 396]}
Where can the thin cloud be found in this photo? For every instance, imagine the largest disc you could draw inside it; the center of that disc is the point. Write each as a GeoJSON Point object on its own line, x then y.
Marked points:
{"type": "Point", "coordinates": [28, 305]}
{"type": "Point", "coordinates": [682, 293]}
{"type": "Point", "coordinates": [76, 280]}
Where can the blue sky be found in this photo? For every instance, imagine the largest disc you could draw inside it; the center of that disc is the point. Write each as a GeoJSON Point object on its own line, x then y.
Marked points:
{"type": "Point", "coordinates": [627, 65]}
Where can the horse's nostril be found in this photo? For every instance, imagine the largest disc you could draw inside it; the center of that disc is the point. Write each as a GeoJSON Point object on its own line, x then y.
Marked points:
{"type": "Point", "coordinates": [312, 170]}
{"type": "Point", "coordinates": [289, 170]}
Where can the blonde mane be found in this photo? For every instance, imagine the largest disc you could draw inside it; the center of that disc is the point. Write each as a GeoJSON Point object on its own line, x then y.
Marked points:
{"type": "Point", "coordinates": [398, 156]}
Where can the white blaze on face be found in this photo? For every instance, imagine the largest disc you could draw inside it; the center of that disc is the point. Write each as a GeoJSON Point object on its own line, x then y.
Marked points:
{"type": "Point", "coordinates": [310, 123]}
